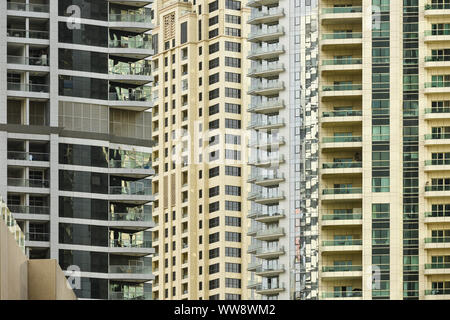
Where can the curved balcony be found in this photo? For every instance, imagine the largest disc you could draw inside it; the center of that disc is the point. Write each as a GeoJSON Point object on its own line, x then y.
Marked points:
{"type": "Point", "coordinates": [131, 194]}
{"type": "Point", "coordinates": [339, 15]}
{"type": "Point", "coordinates": [269, 290]}
{"type": "Point", "coordinates": [267, 179]}
{"type": "Point", "coordinates": [437, 217]}
{"type": "Point", "coordinates": [341, 295]}
{"type": "Point", "coordinates": [267, 217]}
{"type": "Point", "coordinates": [268, 52]}
{"type": "Point", "coordinates": [340, 40]}
{"type": "Point", "coordinates": [350, 117]}
{"type": "Point", "coordinates": [439, 35]}
{"type": "Point", "coordinates": [269, 234]}
{"type": "Point", "coordinates": [259, 3]}
{"type": "Point", "coordinates": [131, 168]}
{"type": "Point", "coordinates": [341, 142]}
{"type": "Point", "coordinates": [268, 123]}
{"type": "Point", "coordinates": [266, 16]}
{"type": "Point", "coordinates": [269, 272]}
{"type": "Point", "coordinates": [437, 61]}
{"type": "Point", "coordinates": [437, 139]}
{"type": "Point", "coordinates": [342, 168]}
{"type": "Point", "coordinates": [268, 70]}
{"type": "Point", "coordinates": [266, 34]}
{"type": "Point", "coordinates": [266, 88]}
{"type": "Point", "coordinates": [267, 106]}
{"type": "Point", "coordinates": [272, 161]}
{"type": "Point", "coordinates": [269, 253]}
{"type": "Point", "coordinates": [437, 10]}
{"type": "Point", "coordinates": [138, 99]}
{"type": "Point", "coordinates": [332, 219]}
{"type": "Point", "coordinates": [437, 243]}
{"type": "Point", "coordinates": [267, 197]}
{"type": "Point", "coordinates": [437, 113]}
{"type": "Point", "coordinates": [132, 47]}
{"type": "Point", "coordinates": [341, 91]}
{"type": "Point", "coordinates": [437, 165]}
{"type": "Point", "coordinates": [341, 272]}
{"type": "Point", "coordinates": [350, 245]}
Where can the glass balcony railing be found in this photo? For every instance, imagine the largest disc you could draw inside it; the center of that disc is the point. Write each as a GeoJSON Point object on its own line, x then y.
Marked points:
{"type": "Point", "coordinates": [119, 295]}
{"type": "Point", "coordinates": [342, 216]}
{"type": "Point", "coordinates": [342, 191]}
{"type": "Point", "coordinates": [343, 113]}
{"type": "Point", "coordinates": [270, 85]}
{"type": "Point", "coordinates": [349, 242]}
{"type": "Point", "coordinates": [266, 105]}
{"type": "Point", "coordinates": [272, 30]}
{"type": "Point", "coordinates": [267, 121]}
{"type": "Point", "coordinates": [139, 94]}
{"type": "Point", "coordinates": [260, 268]}
{"type": "Point", "coordinates": [12, 225]}
{"type": "Point", "coordinates": [342, 165]}
{"type": "Point", "coordinates": [37, 236]}
{"type": "Point", "coordinates": [33, 87]}
{"type": "Point", "coordinates": [435, 292]}
{"type": "Point", "coordinates": [437, 58]}
{"type": "Point", "coordinates": [263, 250]}
{"type": "Point", "coordinates": [130, 17]}
{"type": "Point", "coordinates": [260, 214]}
{"type": "Point", "coordinates": [266, 68]}
{"type": "Point", "coordinates": [437, 6]}
{"type": "Point", "coordinates": [437, 32]}
{"type": "Point", "coordinates": [342, 87]}
{"type": "Point", "coordinates": [125, 69]}
{"type": "Point", "coordinates": [32, 34]}
{"type": "Point", "coordinates": [30, 61]}
{"type": "Point", "coordinates": [437, 188]}
{"type": "Point", "coordinates": [131, 216]}
{"type": "Point", "coordinates": [267, 287]}
{"type": "Point", "coordinates": [272, 158]}
{"type": "Point", "coordinates": [33, 7]}
{"type": "Point", "coordinates": [269, 232]}
{"type": "Point", "coordinates": [275, 11]}
{"type": "Point", "coordinates": [342, 61]}
{"type": "Point", "coordinates": [115, 243]}
{"type": "Point", "coordinates": [130, 269]}
{"type": "Point", "coordinates": [130, 164]}
{"type": "Point", "coordinates": [29, 209]}
{"type": "Point", "coordinates": [265, 50]}
{"type": "Point", "coordinates": [342, 35]}
{"type": "Point", "coordinates": [437, 110]}
{"type": "Point", "coordinates": [130, 190]}
{"type": "Point", "coordinates": [437, 214]}
{"type": "Point", "coordinates": [267, 195]}
{"type": "Point", "coordinates": [341, 10]}
{"type": "Point", "coordinates": [138, 42]}
{"type": "Point", "coordinates": [342, 139]}
{"type": "Point", "coordinates": [342, 294]}
{"type": "Point", "coordinates": [268, 176]}
{"type": "Point", "coordinates": [437, 240]}
{"type": "Point", "coordinates": [437, 162]}
{"type": "Point", "coordinates": [437, 265]}
{"type": "Point", "coordinates": [28, 156]}
{"type": "Point", "coordinates": [437, 84]}
{"type": "Point", "coordinates": [29, 183]}
{"type": "Point", "coordinates": [341, 268]}
{"type": "Point", "coordinates": [437, 136]}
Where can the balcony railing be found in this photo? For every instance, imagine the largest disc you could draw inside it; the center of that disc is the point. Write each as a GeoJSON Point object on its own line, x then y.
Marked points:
{"type": "Point", "coordinates": [134, 95]}
{"type": "Point", "coordinates": [342, 165]}
{"type": "Point", "coordinates": [437, 32]}
{"type": "Point", "coordinates": [130, 17]}
{"type": "Point", "coordinates": [342, 35]}
{"type": "Point", "coordinates": [437, 110]}
{"type": "Point", "coordinates": [33, 34]}
{"type": "Point", "coordinates": [271, 12]}
{"type": "Point", "coordinates": [437, 214]}
{"type": "Point", "coordinates": [33, 87]}
{"type": "Point", "coordinates": [132, 43]}
{"type": "Point", "coordinates": [129, 296]}
{"type": "Point", "coordinates": [266, 104]}
{"type": "Point", "coordinates": [436, 292]}
{"type": "Point", "coordinates": [130, 269]}
{"type": "Point", "coordinates": [37, 236]}
{"type": "Point", "coordinates": [341, 268]}
{"type": "Point", "coordinates": [437, 162]}
{"type": "Point", "coordinates": [33, 7]}
{"type": "Point", "coordinates": [29, 183]}
{"type": "Point", "coordinates": [266, 68]}
{"type": "Point", "coordinates": [266, 31]}
{"type": "Point", "coordinates": [342, 87]}
{"type": "Point", "coordinates": [130, 70]}
{"type": "Point", "coordinates": [342, 216]}
{"type": "Point", "coordinates": [342, 294]}
{"type": "Point", "coordinates": [29, 209]}
{"type": "Point", "coordinates": [28, 156]}
{"type": "Point", "coordinates": [267, 121]}
{"type": "Point", "coordinates": [341, 61]}
{"type": "Point", "coordinates": [349, 242]}
{"type": "Point", "coordinates": [269, 232]}
{"type": "Point", "coordinates": [342, 191]}
{"type": "Point", "coordinates": [274, 159]}
{"type": "Point", "coordinates": [346, 113]}
{"type": "Point", "coordinates": [267, 49]}
{"type": "Point", "coordinates": [437, 58]}
{"type": "Point", "coordinates": [437, 84]}
{"type": "Point", "coordinates": [130, 190]}
{"type": "Point", "coordinates": [437, 188]}
{"type": "Point", "coordinates": [341, 10]}
{"type": "Point", "coordinates": [274, 84]}
{"type": "Point", "coordinates": [130, 216]}
{"type": "Point", "coordinates": [114, 243]}
{"type": "Point", "coordinates": [262, 250]}
{"type": "Point", "coordinates": [264, 177]}
{"type": "Point", "coordinates": [260, 268]}
{"type": "Point", "coordinates": [437, 240]}
{"type": "Point", "coordinates": [437, 265]}
{"type": "Point", "coordinates": [342, 139]}
{"type": "Point", "coordinates": [437, 6]}
{"type": "Point", "coordinates": [266, 195]}
{"type": "Point", "coordinates": [30, 61]}
{"type": "Point", "coordinates": [437, 136]}
{"type": "Point", "coordinates": [266, 287]}
{"type": "Point", "coordinates": [129, 164]}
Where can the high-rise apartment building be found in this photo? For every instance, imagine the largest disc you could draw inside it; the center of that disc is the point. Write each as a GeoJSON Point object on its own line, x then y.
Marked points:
{"type": "Point", "coordinates": [200, 158]}
{"type": "Point", "coordinates": [76, 138]}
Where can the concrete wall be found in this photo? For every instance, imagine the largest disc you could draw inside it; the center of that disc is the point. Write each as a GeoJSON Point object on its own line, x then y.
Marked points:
{"type": "Point", "coordinates": [13, 267]}
{"type": "Point", "coordinates": [46, 281]}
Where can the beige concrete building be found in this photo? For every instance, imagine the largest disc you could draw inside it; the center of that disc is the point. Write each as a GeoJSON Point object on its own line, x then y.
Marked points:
{"type": "Point", "coordinates": [23, 279]}
{"type": "Point", "coordinates": [199, 120]}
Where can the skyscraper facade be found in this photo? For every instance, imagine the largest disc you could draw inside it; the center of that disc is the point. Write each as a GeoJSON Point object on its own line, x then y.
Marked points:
{"type": "Point", "coordinates": [76, 138]}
